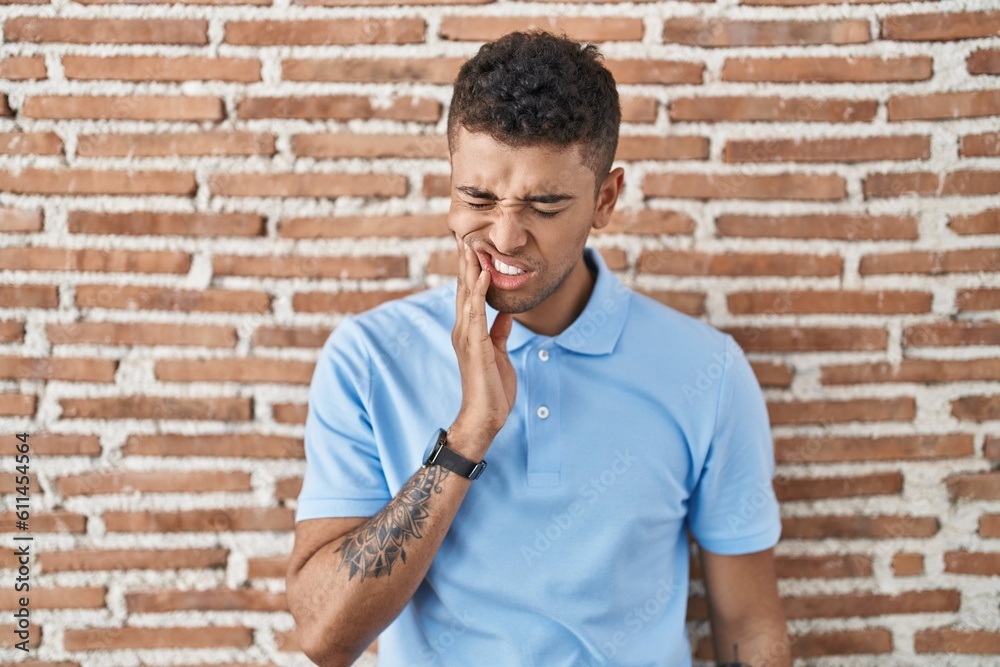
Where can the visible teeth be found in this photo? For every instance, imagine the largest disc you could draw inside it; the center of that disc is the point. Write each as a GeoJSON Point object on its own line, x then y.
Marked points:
{"type": "Point", "coordinates": [506, 269]}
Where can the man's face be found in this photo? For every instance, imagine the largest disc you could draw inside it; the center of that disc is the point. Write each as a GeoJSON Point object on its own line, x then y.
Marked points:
{"type": "Point", "coordinates": [492, 186]}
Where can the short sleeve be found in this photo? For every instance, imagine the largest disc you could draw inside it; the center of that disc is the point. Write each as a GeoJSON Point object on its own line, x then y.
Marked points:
{"type": "Point", "coordinates": [344, 474]}
{"type": "Point", "coordinates": [733, 509]}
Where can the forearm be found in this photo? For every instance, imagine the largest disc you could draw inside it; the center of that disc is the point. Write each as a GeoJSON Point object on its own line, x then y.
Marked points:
{"type": "Point", "coordinates": [763, 642]}
{"type": "Point", "coordinates": [352, 588]}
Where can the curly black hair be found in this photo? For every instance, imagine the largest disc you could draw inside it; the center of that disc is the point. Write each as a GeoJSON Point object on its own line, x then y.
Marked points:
{"type": "Point", "coordinates": [533, 88]}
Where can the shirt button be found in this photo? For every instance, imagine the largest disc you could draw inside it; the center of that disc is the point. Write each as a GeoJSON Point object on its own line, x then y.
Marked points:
{"type": "Point", "coordinates": [543, 355]}
{"type": "Point", "coordinates": [542, 412]}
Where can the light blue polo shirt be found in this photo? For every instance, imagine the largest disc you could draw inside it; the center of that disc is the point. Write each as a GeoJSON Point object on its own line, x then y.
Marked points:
{"type": "Point", "coordinates": [634, 425]}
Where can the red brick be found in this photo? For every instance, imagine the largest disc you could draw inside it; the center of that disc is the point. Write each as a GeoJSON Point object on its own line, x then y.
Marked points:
{"type": "Point", "coordinates": [661, 148]}
{"type": "Point", "coordinates": [57, 444]}
{"type": "Point", "coordinates": [159, 637]}
{"type": "Point", "coordinates": [636, 109]}
{"type": "Point", "coordinates": [236, 369]}
{"type": "Point", "coordinates": [943, 106]}
{"type": "Point", "coordinates": [590, 28]}
{"type": "Point", "coordinates": [687, 262]}
{"type": "Point", "coordinates": [823, 567]}
{"type": "Point", "coordinates": [19, 68]}
{"type": "Point", "coordinates": [837, 449]}
{"type": "Point", "coordinates": [373, 70]}
{"type": "Point", "coordinates": [271, 567]}
{"type": "Point", "coordinates": [29, 296]}
{"type": "Point", "coordinates": [974, 486]}
{"type": "Point", "coordinates": [648, 221]}
{"type": "Point", "coordinates": [173, 300]}
{"type": "Point", "coordinates": [828, 69]}
{"type": "Point", "coordinates": [844, 302]}
{"type": "Point", "coordinates": [95, 560]}
{"type": "Point", "coordinates": [212, 599]}
{"type": "Point", "coordinates": [989, 525]}
{"type": "Point", "coordinates": [991, 447]}
{"type": "Point", "coordinates": [5, 109]}
{"type": "Point", "coordinates": [927, 371]}
{"type": "Point", "coordinates": [907, 565]}
{"type": "Point", "coordinates": [902, 409]}
{"type": "Point", "coordinates": [288, 488]}
{"type": "Point", "coordinates": [140, 333]}
{"type": "Point", "coordinates": [344, 302]}
{"type": "Point", "coordinates": [871, 604]}
{"type": "Point", "coordinates": [931, 262]}
{"type": "Point", "coordinates": [156, 223]}
{"type": "Point", "coordinates": [309, 184]}
{"type": "Point", "coordinates": [66, 369]}
{"type": "Point", "coordinates": [17, 405]}
{"type": "Point", "coordinates": [839, 226]}
{"type": "Point", "coordinates": [112, 261]}
{"type": "Point", "coordinates": [97, 182]}
{"type": "Point", "coordinates": [347, 144]}
{"type": "Point", "coordinates": [14, 220]}
{"type": "Point", "coordinates": [30, 143]}
{"type": "Point", "coordinates": [650, 70]}
{"type": "Point", "coordinates": [971, 182]}
{"type": "Point", "coordinates": [947, 640]}
{"type": "Point", "coordinates": [311, 266]}
{"type": "Point", "coordinates": [289, 413]}
{"type": "Point", "coordinates": [158, 68]}
{"type": "Point", "coordinates": [938, 26]}
{"type": "Point", "coordinates": [55, 521]}
{"type": "Point", "coordinates": [288, 336]}
{"type": "Point", "coordinates": [986, 144]}
{"type": "Point", "coordinates": [396, 226]}
{"type": "Point", "coordinates": [951, 334]}
{"type": "Point", "coordinates": [984, 61]}
{"type": "Point", "coordinates": [343, 31]}
{"type": "Point", "coordinates": [339, 107]}
{"type": "Point", "coordinates": [977, 299]}
{"type": "Point", "coordinates": [101, 482]}
{"type": "Point", "coordinates": [896, 185]}
{"type": "Point", "coordinates": [808, 339]}
{"type": "Point", "coordinates": [107, 31]}
{"type": "Point", "coordinates": [986, 564]}
{"type": "Point", "coordinates": [63, 597]}
{"type": "Point", "coordinates": [201, 520]}
{"type": "Point", "coordinates": [243, 445]}
{"type": "Point", "coordinates": [11, 331]}
{"type": "Point", "coordinates": [858, 527]}
{"type": "Point", "coordinates": [772, 109]}
{"type": "Point", "coordinates": [976, 408]}
{"type": "Point", "coordinates": [804, 187]}
{"type": "Point", "coordinates": [716, 32]}
{"type": "Point", "coordinates": [157, 408]}
{"type": "Point", "coordinates": [817, 488]}
{"type": "Point", "coordinates": [124, 107]}
{"type": "Point", "coordinates": [859, 149]}
{"type": "Point", "coordinates": [180, 144]}
{"type": "Point", "coordinates": [983, 222]}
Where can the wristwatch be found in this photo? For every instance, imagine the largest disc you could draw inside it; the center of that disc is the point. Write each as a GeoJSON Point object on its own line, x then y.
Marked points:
{"type": "Point", "coordinates": [438, 453]}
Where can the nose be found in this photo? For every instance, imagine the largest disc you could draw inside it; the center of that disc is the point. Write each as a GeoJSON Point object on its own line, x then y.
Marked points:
{"type": "Point", "coordinates": [507, 233]}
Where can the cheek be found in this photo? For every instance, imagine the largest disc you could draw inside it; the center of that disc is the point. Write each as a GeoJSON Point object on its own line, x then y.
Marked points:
{"type": "Point", "coordinates": [463, 222]}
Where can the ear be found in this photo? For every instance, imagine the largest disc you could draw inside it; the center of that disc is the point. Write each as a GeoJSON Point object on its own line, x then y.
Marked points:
{"type": "Point", "coordinates": [608, 197]}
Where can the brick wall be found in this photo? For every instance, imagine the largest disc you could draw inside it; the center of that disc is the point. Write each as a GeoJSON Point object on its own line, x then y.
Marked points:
{"type": "Point", "coordinates": [192, 195]}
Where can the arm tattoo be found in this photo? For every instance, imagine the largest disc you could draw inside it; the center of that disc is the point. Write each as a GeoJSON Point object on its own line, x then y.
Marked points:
{"type": "Point", "coordinates": [372, 548]}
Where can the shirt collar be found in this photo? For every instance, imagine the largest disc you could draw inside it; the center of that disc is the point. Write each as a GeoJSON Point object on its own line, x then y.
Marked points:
{"type": "Point", "coordinates": [597, 329]}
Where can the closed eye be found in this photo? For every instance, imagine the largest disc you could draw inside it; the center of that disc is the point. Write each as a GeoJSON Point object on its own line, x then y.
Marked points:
{"type": "Point", "coordinates": [544, 214]}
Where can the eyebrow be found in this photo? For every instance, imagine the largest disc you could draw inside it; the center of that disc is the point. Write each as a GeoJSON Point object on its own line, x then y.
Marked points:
{"type": "Point", "coordinates": [548, 198]}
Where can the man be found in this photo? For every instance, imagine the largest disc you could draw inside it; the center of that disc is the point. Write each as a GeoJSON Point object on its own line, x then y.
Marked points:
{"type": "Point", "coordinates": [611, 424]}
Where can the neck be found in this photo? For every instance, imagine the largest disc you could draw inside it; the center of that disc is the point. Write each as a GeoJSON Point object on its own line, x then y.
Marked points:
{"type": "Point", "coordinates": [561, 308]}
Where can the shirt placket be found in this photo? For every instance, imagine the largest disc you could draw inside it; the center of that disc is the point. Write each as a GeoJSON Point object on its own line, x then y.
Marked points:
{"type": "Point", "coordinates": [543, 415]}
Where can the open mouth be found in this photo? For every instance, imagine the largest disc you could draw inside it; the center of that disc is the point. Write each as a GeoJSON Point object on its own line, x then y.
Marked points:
{"type": "Point", "coordinates": [503, 275]}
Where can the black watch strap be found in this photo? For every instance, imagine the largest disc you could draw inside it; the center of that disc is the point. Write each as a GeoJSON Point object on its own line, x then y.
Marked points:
{"type": "Point", "coordinates": [449, 459]}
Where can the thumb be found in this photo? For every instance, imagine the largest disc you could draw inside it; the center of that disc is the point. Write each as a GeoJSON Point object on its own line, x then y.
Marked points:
{"type": "Point", "coordinates": [501, 330]}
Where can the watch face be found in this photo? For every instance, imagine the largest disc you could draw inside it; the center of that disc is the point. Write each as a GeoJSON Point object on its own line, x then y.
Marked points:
{"type": "Point", "coordinates": [430, 445]}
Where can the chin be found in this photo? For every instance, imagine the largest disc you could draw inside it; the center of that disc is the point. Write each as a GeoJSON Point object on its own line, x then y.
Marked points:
{"type": "Point", "coordinates": [506, 302]}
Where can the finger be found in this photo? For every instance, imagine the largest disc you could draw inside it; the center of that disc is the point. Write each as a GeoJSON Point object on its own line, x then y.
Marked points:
{"type": "Point", "coordinates": [500, 331]}
{"type": "Point", "coordinates": [477, 308]}
{"type": "Point", "coordinates": [471, 276]}
{"type": "Point", "coordinates": [460, 285]}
